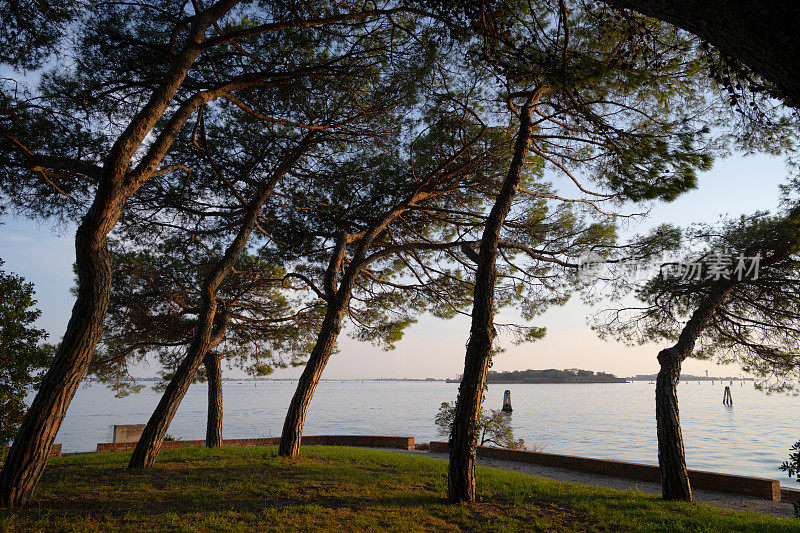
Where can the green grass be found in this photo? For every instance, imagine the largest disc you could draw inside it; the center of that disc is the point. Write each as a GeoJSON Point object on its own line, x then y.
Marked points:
{"type": "Point", "coordinates": [332, 488]}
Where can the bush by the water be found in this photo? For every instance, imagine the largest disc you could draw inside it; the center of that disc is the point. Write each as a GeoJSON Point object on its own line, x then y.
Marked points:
{"type": "Point", "coordinates": [494, 427]}
{"type": "Point", "coordinates": [792, 467]}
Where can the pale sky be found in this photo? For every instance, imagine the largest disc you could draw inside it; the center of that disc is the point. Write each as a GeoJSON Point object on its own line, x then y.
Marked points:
{"type": "Point", "coordinates": [432, 347]}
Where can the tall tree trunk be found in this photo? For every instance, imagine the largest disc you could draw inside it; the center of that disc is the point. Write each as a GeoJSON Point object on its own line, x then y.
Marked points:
{"type": "Point", "coordinates": [296, 415]}
{"type": "Point", "coordinates": [338, 299]}
{"type": "Point", "coordinates": [146, 451]}
{"type": "Point", "coordinates": [671, 456]}
{"type": "Point", "coordinates": [212, 363]}
{"type": "Point", "coordinates": [464, 434]}
{"type": "Point", "coordinates": [28, 455]}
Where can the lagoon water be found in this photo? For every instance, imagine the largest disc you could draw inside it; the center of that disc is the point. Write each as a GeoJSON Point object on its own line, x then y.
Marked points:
{"type": "Point", "coordinates": [609, 421]}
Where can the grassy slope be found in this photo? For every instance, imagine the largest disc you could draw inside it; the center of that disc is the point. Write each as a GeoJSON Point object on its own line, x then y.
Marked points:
{"type": "Point", "coordinates": [337, 488]}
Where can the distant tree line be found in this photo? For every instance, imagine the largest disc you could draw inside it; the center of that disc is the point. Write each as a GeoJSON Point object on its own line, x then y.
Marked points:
{"type": "Point", "coordinates": [550, 373]}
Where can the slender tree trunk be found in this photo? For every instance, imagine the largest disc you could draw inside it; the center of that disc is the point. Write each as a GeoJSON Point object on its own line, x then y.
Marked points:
{"type": "Point", "coordinates": [671, 456]}
{"type": "Point", "coordinates": [338, 300]}
{"type": "Point", "coordinates": [296, 415]}
{"type": "Point", "coordinates": [464, 434]}
{"type": "Point", "coordinates": [212, 362]}
{"type": "Point", "coordinates": [146, 451]}
{"type": "Point", "coordinates": [204, 340]}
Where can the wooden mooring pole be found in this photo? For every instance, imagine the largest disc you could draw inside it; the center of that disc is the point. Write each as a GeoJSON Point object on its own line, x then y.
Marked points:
{"type": "Point", "coordinates": [727, 398]}
{"type": "Point", "coordinates": [507, 401]}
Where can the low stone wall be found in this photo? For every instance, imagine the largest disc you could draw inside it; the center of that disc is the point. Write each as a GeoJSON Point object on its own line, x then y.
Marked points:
{"type": "Point", "coordinates": [790, 495]}
{"type": "Point", "coordinates": [767, 489]}
{"type": "Point", "coordinates": [361, 441]}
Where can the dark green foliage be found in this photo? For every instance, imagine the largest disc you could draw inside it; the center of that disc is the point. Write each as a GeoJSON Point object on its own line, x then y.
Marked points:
{"type": "Point", "coordinates": [551, 373]}
{"type": "Point", "coordinates": [154, 306]}
{"type": "Point", "coordinates": [33, 29]}
{"type": "Point", "coordinates": [22, 355]}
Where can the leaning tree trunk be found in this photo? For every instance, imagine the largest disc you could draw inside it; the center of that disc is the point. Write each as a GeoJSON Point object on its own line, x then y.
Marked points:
{"type": "Point", "coordinates": [338, 299]}
{"type": "Point", "coordinates": [464, 434]}
{"type": "Point", "coordinates": [28, 455]}
{"type": "Point", "coordinates": [671, 456]}
{"type": "Point", "coordinates": [205, 337]}
{"type": "Point", "coordinates": [326, 341]}
{"type": "Point", "coordinates": [146, 451]}
{"type": "Point", "coordinates": [212, 364]}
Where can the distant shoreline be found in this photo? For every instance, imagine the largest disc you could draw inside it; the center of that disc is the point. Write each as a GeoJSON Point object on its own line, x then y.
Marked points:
{"type": "Point", "coordinates": [535, 381]}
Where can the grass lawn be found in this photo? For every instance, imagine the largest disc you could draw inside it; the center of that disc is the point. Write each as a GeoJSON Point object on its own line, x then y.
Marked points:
{"type": "Point", "coordinates": [333, 488]}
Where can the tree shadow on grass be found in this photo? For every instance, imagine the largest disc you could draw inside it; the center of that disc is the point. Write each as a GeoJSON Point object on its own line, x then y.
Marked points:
{"type": "Point", "coordinates": [170, 487]}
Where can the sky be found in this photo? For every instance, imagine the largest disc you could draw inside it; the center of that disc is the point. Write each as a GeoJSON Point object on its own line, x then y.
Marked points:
{"type": "Point", "coordinates": [435, 348]}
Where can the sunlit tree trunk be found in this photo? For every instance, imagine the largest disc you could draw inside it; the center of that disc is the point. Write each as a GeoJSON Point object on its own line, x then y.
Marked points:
{"type": "Point", "coordinates": [206, 336]}
{"type": "Point", "coordinates": [28, 455]}
{"type": "Point", "coordinates": [296, 415]}
{"type": "Point", "coordinates": [671, 455]}
{"type": "Point", "coordinates": [338, 299]}
{"type": "Point", "coordinates": [149, 444]}
{"type": "Point", "coordinates": [117, 182]}
{"type": "Point", "coordinates": [464, 433]}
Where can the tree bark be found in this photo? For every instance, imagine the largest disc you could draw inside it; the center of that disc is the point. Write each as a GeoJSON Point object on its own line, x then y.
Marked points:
{"type": "Point", "coordinates": [212, 363]}
{"type": "Point", "coordinates": [292, 433]}
{"type": "Point", "coordinates": [671, 455]}
{"type": "Point", "coordinates": [760, 33]}
{"type": "Point", "coordinates": [146, 451]}
{"type": "Point", "coordinates": [338, 299]}
{"type": "Point", "coordinates": [464, 433]}
{"type": "Point", "coordinates": [206, 337]}
{"type": "Point", "coordinates": [28, 455]}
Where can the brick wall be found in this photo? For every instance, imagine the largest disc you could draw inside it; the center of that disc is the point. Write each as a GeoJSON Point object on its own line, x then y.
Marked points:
{"type": "Point", "coordinates": [761, 488]}
{"type": "Point", "coordinates": [790, 495]}
{"type": "Point", "coordinates": [362, 441]}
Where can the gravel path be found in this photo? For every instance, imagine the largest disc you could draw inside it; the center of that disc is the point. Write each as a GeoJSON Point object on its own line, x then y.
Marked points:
{"type": "Point", "coordinates": [734, 502]}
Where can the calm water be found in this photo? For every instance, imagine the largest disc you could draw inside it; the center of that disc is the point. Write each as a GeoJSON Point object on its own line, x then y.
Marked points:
{"type": "Point", "coordinates": [611, 421]}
